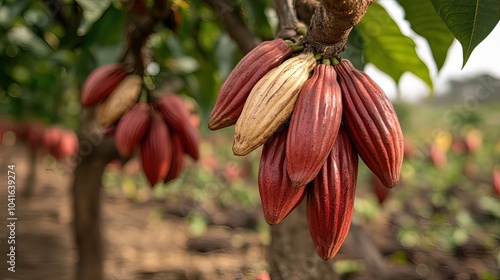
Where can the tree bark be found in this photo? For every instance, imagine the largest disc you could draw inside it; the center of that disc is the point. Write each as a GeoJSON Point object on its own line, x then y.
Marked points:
{"type": "Point", "coordinates": [95, 152]}
{"type": "Point", "coordinates": [29, 186]}
{"type": "Point", "coordinates": [331, 24]}
{"type": "Point", "coordinates": [292, 254]}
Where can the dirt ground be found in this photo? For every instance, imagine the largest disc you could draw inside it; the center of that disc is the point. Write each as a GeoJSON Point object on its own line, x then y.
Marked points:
{"type": "Point", "coordinates": [150, 240]}
{"type": "Point", "coordinates": [138, 246]}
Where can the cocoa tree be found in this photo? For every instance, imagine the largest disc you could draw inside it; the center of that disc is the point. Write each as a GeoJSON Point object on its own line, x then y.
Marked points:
{"type": "Point", "coordinates": [75, 37]}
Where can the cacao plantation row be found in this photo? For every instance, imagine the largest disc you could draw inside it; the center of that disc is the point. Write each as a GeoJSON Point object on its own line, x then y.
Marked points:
{"type": "Point", "coordinates": [313, 118]}
{"type": "Point", "coordinates": [57, 141]}
{"type": "Point", "coordinates": [161, 127]}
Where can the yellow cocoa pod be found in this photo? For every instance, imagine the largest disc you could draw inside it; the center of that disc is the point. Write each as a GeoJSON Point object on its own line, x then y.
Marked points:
{"type": "Point", "coordinates": [271, 103]}
{"type": "Point", "coordinates": [123, 97]}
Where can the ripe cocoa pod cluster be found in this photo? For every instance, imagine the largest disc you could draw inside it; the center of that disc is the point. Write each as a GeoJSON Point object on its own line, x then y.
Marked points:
{"type": "Point", "coordinates": [54, 140]}
{"type": "Point", "coordinates": [115, 90]}
{"type": "Point", "coordinates": [164, 134]}
{"type": "Point", "coordinates": [313, 118]}
{"type": "Point", "coordinates": [161, 127]}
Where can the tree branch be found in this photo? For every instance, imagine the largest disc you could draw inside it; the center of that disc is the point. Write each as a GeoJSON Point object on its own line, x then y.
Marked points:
{"type": "Point", "coordinates": [140, 27]}
{"type": "Point", "coordinates": [288, 22]}
{"type": "Point", "coordinates": [230, 16]}
{"type": "Point", "coordinates": [305, 9]}
{"type": "Point", "coordinates": [331, 24]}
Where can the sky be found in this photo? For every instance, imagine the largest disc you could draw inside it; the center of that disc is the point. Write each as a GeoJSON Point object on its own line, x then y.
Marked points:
{"type": "Point", "coordinates": [485, 59]}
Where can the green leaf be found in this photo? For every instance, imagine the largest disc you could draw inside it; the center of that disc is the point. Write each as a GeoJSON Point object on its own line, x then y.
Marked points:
{"type": "Point", "coordinates": [257, 18]}
{"type": "Point", "coordinates": [354, 51]}
{"type": "Point", "coordinates": [108, 29]}
{"type": "Point", "coordinates": [426, 23]}
{"type": "Point", "coordinates": [470, 21]}
{"type": "Point", "coordinates": [92, 11]}
{"type": "Point", "coordinates": [387, 48]}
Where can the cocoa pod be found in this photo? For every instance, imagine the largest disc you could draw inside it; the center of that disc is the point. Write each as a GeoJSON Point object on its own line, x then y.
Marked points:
{"type": "Point", "coordinates": [496, 180]}
{"type": "Point", "coordinates": [109, 131]}
{"type": "Point", "coordinates": [101, 82]}
{"type": "Point", "coordinates": [330, 198]}
{"type": "Point", "coordinates": [51, 138]}
{"type": "Point", "coordinates": [177, 157]}
{"type": "Point", "coordinates": [437, 156]}
{"type": "Point", "coordinates": [237, 86]}
{"type": "Point", "coordinates": [271, 103]}
{"type": "Point", "coordinates": [473, 140]}
{"type": "Point", "coordinates": [380, 191]}
{"type": "Point", "coordinates": [35, 135]}
{"type": "Point", "coordinates": [277, 194]}
{"type": "Point", "coordinates": [372, 123]}
{"type": "Point", "coordinates": [131, 129]}
{"type": "Point", "coordinates": [314, 125]}
{"type": "Point", "coordinates": [156, 150]}
{"type": "Point", "coordinates": [68, 145]}
{"type": "Point", "coordinates": [123, 97]}
{"type": "Point", "coordinates": [177, 115]}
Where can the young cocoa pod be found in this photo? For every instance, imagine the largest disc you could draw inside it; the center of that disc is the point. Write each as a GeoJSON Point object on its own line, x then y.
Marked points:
{"type": "Point", "coordinates": [330, 198]}
{"type": "Point", "coordinates": [123, 97]}
{"type": "Point", "coordinates": [237, 86]}
{"type": "Point", "coordinates": [101, 82]}
{"type": "Point", "coordinates": [372, 123]}
{"type": "Point", "coordinates": [177, 116]}
{"type": "Point", "coordinates": [271, 103]}
{"type": "Point", "coordinates": [177, 157]}
{"type": "Point", "coordinates": [156, 150]}
{"type": "Point", "coordinates": [314, 125]}
{"type": "Point", "coordinates": [131, 128]}
{"type": "Point", "coordinates": [277, 194]}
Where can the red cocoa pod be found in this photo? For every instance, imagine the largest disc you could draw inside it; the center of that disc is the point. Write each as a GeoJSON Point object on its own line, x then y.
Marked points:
{"type": "Point", "coordinates": [313, 126]}
{"type": "Point", "coordinates": [101, 82]}
{"type": "Point", "coordinates": [51, 138]}
{"type": "Point", "coordinates": [35, 135]}
{"type": "Point", "coordinates": [109, 131]}
{"type": "Point", "coordinates": [437, 156]}
{"type": "Point", "coordinates": [249, 70]}
{"type": "Point", "coordinates": [330, 198]}
{"type": "Point", "coordinates": [177, 157]}
{"type": "Point", "coordinates": [131, 128]}
{"type": "Point", "coordinates": [496, 180]}
{"type": "Point", "coordinates": [473, 140]}
{"type": "Point", "coordinates": [277, 194]}
{"type": "Point", "coordinates": [409, 148]}
{"type": "Point", "coordinates": [68, 145]}
{"type": "Point", "coordinates": [156, 150]}
{"type": "Point", "coordinates": [380, 191]}
{"type": "Point", "coordinates": [177, 115]}
{"type": "Point", "coordinates": [174, 111]}
{"type": "Point", "coordinates": [372, 123]}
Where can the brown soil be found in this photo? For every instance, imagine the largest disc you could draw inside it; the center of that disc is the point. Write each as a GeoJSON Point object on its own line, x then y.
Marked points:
{"type": "Point", "coordinates": [150, 240]}
{"type": "Point", "coordinates": [139, 245]}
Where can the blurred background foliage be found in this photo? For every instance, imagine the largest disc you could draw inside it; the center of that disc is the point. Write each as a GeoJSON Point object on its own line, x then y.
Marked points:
{"type": "Point", "coordinates": [445, 201]}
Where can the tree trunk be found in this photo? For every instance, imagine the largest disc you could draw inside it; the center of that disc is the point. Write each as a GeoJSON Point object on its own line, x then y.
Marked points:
{"type": "Point", "coordinates": [29, 186]}
{"type": "Point", "coordinates": [292, 254]}
{"type": "Point", "coordinates": [87, 229]}
{"type": "Point", "coordinates": [95, 152]}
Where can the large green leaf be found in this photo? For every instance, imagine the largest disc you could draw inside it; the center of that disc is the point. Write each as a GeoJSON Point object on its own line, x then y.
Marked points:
{"type": "Point", "coordinates": [257, 18]}
{"type": "Point", "coordinates": [92, 11]}
{"type": "Point", "coordinates": [389, 49]}
{"type": "Point", "coordinates": [470, 21]}
{"type": "Point", "coordinates": [108, 29]}
{"type": "Point", "coordinates": [426, 23]}
{"type": "Point", "coordinates": [354, 51]}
